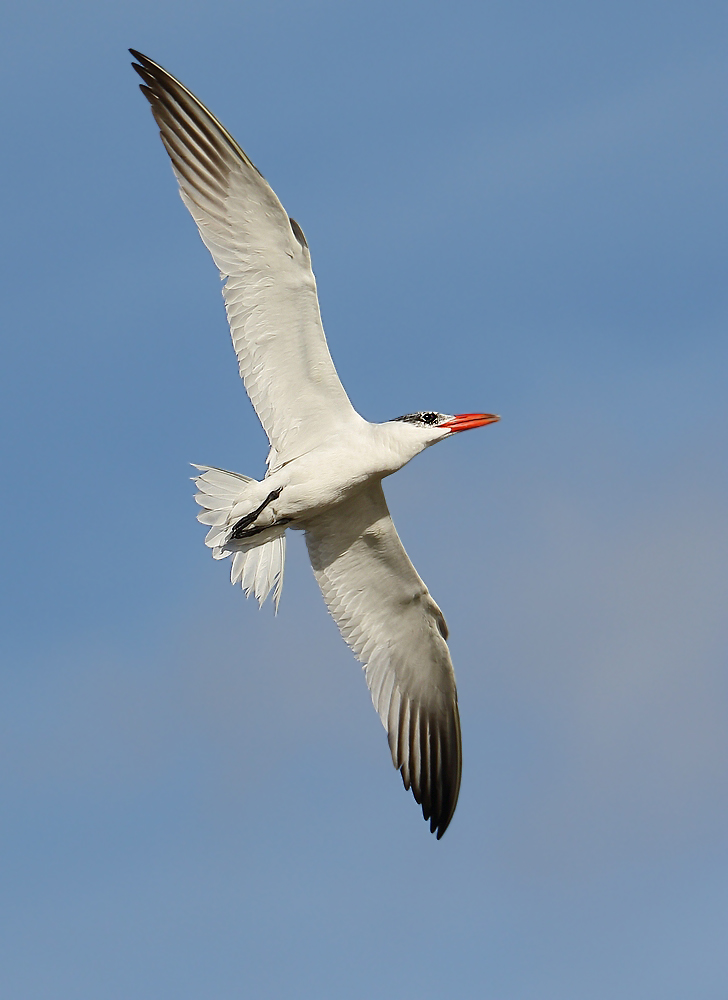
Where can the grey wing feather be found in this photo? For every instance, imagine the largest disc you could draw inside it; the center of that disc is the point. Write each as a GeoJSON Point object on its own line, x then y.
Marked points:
{"type": "Point", "coordinates": [388, 618]}
{"type": "Point", "coordinates": [270, 290]}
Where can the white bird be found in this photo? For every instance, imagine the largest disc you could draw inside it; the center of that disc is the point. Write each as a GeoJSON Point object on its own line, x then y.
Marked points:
{"type": "Point", "coordinates": [326, 463]}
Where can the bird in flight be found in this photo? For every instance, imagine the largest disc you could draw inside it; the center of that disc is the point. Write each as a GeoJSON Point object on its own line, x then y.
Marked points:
{"type": "Point", "coordinates": [326, 463]}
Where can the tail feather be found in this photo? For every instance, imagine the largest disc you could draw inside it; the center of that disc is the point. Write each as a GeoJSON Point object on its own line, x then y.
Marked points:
{"type": "Point", "coordinates": [258, 561]}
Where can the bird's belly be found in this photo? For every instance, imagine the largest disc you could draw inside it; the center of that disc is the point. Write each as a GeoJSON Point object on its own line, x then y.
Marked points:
{"type": "Point", "coordinates": [311, 487]}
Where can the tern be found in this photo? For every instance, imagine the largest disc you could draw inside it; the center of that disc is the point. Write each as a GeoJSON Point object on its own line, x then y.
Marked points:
{"type": "Point", "coordinates": [326, 462]}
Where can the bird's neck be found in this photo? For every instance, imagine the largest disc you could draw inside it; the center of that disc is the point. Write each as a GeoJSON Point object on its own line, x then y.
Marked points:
{"type": "Point", "coordinates": [397, 443]}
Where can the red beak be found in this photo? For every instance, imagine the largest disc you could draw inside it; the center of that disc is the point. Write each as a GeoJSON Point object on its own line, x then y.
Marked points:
{"type": "Point", "coordinates": [467, 421]}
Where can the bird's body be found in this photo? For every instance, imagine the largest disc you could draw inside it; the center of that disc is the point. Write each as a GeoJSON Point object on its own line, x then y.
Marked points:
{"type": "Point", "coordinates": [326, 462]}
{"type": "Point", "coordinates": [334, 471]}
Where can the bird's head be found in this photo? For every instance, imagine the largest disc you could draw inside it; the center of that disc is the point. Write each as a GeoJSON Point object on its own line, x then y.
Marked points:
{"type": "Point", "coordinates": [412, 433]}
{"type": "Point", "coordinates": [442, 425]}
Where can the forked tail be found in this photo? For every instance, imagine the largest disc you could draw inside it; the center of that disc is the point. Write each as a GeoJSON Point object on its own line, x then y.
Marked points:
{"type": "Point", "coordinates": [258, 560]}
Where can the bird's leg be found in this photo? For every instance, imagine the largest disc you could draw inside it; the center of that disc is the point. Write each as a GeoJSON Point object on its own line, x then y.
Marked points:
{"type": "Point", "coordinates": [240, 526]}
{"type": "Point", "coordinates": [249, 532]}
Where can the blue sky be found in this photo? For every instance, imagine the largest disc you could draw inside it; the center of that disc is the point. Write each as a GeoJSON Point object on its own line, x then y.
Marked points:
{"type": "Point", "coordinates": [515, 207]}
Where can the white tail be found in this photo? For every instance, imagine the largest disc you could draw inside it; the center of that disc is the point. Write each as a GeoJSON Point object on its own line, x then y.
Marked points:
{"type": "Point", "coordinates": [258, 561]}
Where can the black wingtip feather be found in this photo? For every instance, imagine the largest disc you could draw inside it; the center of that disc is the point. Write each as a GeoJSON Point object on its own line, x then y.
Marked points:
{"type": "Point", "coordinates": [141, 58]}
{"type": "Point", "coordinates": [428, 757]}
{"type": "Point", "coordinates": [166, 88]}
{"type": "Point", "coordinates": [445, 774]}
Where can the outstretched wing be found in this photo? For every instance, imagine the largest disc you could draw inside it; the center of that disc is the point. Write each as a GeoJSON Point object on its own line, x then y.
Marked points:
{"type": "Point", "coordinates": [270, 290]}
{"type": "Point", "coordinates": [386, 615]}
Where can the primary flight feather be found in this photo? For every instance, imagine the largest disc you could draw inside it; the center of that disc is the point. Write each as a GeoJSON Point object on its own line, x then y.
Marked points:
{"type": "Point", "coordinates": [326, 463]}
